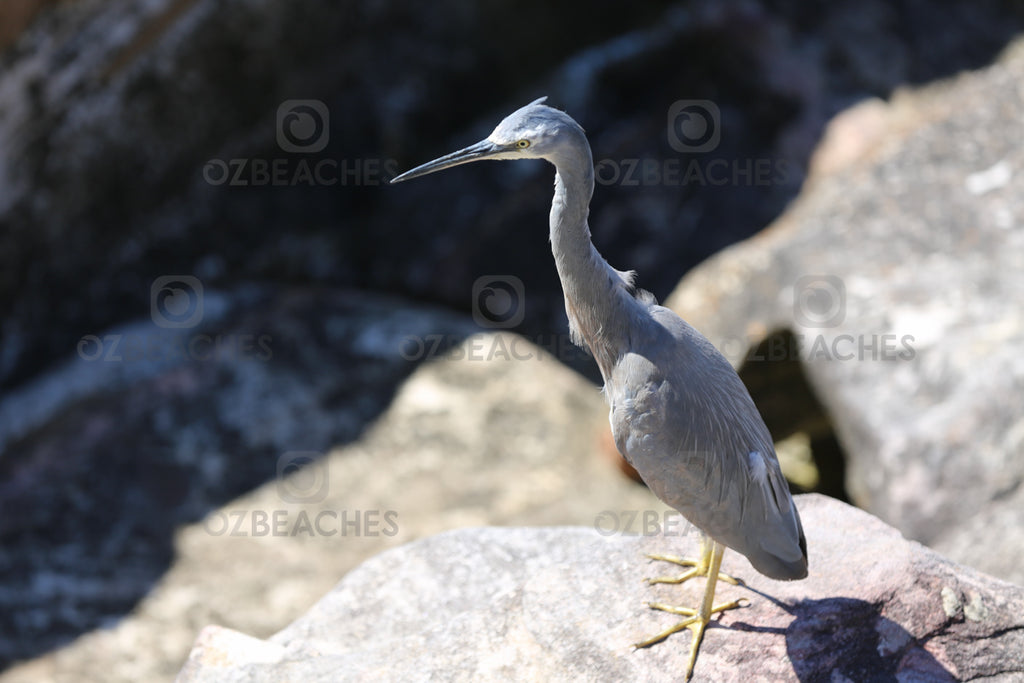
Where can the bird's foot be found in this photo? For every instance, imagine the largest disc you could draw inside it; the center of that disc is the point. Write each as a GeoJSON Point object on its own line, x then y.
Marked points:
{"type": "Point", "coordinates": [695, 622]}
{"type": "Point", "coordinates": [700, 568]}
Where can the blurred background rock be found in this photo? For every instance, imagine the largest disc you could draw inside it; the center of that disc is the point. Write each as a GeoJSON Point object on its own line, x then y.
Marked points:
{"type": "Point", "coordinates": [145, 140]}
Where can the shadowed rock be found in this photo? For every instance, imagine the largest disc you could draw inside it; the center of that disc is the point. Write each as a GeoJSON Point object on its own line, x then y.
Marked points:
{"type": "Point", "coordinates": [150, 428]}
{"type": "Point", "coordinates": [476, 435]}
{"type": "Point", "coordinates": [140, 137]}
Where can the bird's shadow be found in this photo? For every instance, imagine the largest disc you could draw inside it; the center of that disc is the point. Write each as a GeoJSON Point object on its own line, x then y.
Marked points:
{"type": "Point", "coordinates": [850, 637]}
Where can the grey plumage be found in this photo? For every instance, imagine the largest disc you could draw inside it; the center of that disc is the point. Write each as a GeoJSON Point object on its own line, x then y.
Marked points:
{"type": "Point", "coordinates": [684, 420]}
{"type": "Point", "coordinates": [679, 412]}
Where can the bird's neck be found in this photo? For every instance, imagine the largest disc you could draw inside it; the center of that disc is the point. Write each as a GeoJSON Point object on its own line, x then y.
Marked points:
{"type": "Point", "coordinates": [597, 302]}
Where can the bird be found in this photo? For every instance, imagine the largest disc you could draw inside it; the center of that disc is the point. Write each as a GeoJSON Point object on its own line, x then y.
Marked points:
{"type": "Point", "coordinates": [679, 413]}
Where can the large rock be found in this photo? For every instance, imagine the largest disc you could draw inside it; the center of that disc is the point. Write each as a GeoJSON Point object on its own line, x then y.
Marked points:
{"type": "Point", "coordinates": [558, 603]}
{"type": "Point", "coordinates": [149, 428]}
{"type": "Point", "coordinates": [898, 271]}
{"type": "Point", "coordinates": [489, 429]}
{"type": "Point", "coordinates": [109, 113]}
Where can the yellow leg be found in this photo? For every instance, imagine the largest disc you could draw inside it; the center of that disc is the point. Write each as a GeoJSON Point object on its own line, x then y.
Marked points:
{"type": "Point", "coordinates": [697, 621]}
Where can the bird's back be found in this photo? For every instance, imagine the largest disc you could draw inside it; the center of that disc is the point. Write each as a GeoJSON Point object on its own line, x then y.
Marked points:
{"type": "Point", "coordinates": [683, 418]}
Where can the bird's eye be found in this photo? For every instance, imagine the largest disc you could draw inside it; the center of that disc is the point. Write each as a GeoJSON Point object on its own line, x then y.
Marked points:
{"type": "Point", "coordinates": [523, 144]}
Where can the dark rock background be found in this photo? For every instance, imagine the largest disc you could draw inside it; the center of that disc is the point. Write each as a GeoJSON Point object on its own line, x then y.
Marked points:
{"type": "Point", "coordinates": [106, 134]}
{"type": "Point", "coordinates": [111, 113]}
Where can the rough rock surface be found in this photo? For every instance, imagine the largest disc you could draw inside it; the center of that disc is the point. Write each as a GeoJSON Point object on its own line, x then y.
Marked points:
{"type": "Point", "coordinates": [111, 110]}
{"type": "Point", "coordinates": [899, 272]}
{"type": "Point", "coordinates": [475, 435]}
{"type": "Point", "coordinates": [566, 603]}
{"type": "Point", "coordinates": [150, 428]}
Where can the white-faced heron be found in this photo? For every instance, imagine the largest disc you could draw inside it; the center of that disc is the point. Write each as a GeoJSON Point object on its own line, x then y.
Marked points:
{"type": "Point", "coordinates": [679, 412]}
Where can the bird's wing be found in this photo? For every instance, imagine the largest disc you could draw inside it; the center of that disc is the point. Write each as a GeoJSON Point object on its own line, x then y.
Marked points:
{"type": "Point", "coordinates": [686, 422]}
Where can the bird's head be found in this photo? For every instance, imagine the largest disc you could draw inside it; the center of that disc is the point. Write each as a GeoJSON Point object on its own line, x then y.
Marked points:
{"type": "Point", "coordinates": [533, 132]}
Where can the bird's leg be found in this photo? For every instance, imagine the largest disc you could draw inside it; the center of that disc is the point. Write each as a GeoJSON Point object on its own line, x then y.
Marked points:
{"type": "Point", "coordinates": [697, 619]}
{"type": "Point", "coordinates": [699, 567]}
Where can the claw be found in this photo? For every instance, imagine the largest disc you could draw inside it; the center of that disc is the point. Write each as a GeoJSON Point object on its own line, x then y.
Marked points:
{"type": "Point", "coordinates": [685, 576]}
{"type": "Point", "coordinates": [700, 568]}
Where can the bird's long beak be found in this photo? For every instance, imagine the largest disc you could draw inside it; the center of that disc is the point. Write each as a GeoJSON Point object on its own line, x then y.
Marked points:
{"type": "Point", "coordinates": [481, 150]}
